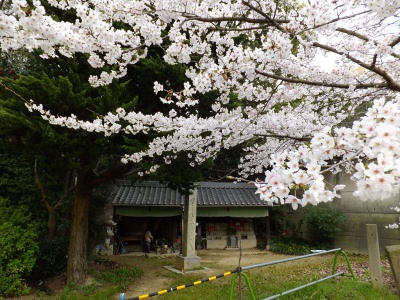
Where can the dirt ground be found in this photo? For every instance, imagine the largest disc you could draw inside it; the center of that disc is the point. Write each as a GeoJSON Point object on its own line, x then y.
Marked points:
{"type": "Point", "coordinates": [215, 262]}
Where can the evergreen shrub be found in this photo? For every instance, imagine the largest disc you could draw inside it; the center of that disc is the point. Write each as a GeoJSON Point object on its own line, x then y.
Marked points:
{"type": "Point", "coordinates": [18, 248]}
{"type": "Point", "coordinates": [53, 256]}
{"type": "Point", "coordinates": [290, 246]}
{"type": "Point", "coordinates": [324, 224]}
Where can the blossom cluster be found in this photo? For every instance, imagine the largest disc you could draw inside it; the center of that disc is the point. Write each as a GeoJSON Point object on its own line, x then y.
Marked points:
{"type": "Point", "coordinates": [369, 150]}
{"type": "Point", "coordinates": [192, 32]}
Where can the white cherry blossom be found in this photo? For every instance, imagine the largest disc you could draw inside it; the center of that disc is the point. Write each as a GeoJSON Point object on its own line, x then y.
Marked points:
{"type": "Point", "coordinates": [271, 56]}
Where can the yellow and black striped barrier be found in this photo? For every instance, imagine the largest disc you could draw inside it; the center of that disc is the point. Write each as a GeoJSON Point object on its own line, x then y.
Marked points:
{"type": "Point", "coordinates": [179, 287]}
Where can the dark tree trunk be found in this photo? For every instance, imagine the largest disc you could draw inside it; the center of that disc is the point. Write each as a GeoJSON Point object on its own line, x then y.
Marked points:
{"type": "Point", "coordinates": [77, 250]}
{"type": "Point", "coordinates": [78, 245]}
{"type": "Point", "coordinates": [267, 232]}
{"type": "Point", "coordinates": [51, 221]}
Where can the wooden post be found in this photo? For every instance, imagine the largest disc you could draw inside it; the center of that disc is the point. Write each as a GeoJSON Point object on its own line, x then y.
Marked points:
{"type": "Point", "coordinates": [374, 256]}
{"type": "Point", "coordinates": [393, 253]}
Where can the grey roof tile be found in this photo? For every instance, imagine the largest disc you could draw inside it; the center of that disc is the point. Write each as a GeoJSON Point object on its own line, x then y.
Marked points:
{"type": "Point", "coordinates": [152, 193]}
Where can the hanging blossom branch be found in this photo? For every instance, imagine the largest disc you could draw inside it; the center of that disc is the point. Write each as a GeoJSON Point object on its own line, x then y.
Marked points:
{"type": "Point", "coordinates": [371, 147]}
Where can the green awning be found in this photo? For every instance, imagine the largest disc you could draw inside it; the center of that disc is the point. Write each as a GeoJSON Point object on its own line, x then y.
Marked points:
{"type": "Point", "coordinates": [148, 211]}
{"type": "Point", "coordinates": [237, 212]}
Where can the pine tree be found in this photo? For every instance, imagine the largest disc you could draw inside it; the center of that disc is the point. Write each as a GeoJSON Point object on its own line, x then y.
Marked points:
{"type": "Point", "coordinates": [64, 162]}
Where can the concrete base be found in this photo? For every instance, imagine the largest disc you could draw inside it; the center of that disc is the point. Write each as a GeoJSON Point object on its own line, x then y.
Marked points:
{"type": "Point", "coordinates": [393, 253]}
{"type": "Point", "coordinates": [232, 249]}
{"type": "Point", "coordinates": [184, 263]}
{"type": "Point", "coordinates": [199, 270]}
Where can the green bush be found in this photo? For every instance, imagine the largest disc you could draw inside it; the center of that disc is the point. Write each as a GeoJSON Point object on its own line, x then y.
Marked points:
{"type": "Point", "coordinates": [18, 248]}
{"type": "Point", "coordinates": [280, 226]}
{"type": "Point", "coordinates": [324, 224]}
{"type": "Point", "coordinates": [290, 246]}
{"type": "Point", "coordinates": [53, 256]}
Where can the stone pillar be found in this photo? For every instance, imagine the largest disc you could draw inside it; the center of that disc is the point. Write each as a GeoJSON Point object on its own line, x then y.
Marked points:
{"type": "Point", "coordinates": [374, 256]}
{"type": "Point", "coordinates": [393, 253]}
{"type": "Point", "coordinates": [189, 259]}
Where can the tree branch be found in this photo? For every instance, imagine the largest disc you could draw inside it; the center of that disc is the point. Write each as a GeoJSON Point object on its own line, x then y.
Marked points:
{"type": "Point", "coordinates": [234, 19]}
{"type": "Point", "coordinates": [353, 33]}
{"type": "Point", "coordinates": [278, 136]}
{"type": "Point", "coordinates": [358, 152]}
{"type": "Point", "coordinates": [341, 18]}
{"type": "Point", "coordinates": [390, 82]}
{"type": "Point", "coordinates": [365, 38]}
{"type": "Point", "coordinates": [112, 173]}
{"type": "Point", "coordinates": [320, 83]}
{"type": "Point", "coordinates": [395, 42]}
{"type": "Point", "coordinates": [239, 29]}
{"type": "Point", "coordinates": [39, 185]}
{"type": "Point", "coordinates": [43, 195]}
{"type": "Point", "coordinates": [69, 187]}
{"type": "Point", "coordinates": [268, 18]}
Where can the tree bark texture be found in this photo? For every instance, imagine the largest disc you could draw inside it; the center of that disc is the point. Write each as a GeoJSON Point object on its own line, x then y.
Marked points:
{"type": "Point", "coordinates": [52, 222]}
{"type": "Point", "coordinates": [77, 251]}
{"type": "Point", "coordinates": [77, 268]}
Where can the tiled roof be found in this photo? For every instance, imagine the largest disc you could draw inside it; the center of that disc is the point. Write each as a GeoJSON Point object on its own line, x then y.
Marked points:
{"type": "Point", "coordinates": [144, 193]}
{"type": "Point", "coordinates": [227, 194]}
{"type": "Point", "coordinates": [152, 193]}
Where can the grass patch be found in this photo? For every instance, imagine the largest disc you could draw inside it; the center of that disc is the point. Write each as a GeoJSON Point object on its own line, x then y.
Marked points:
{"type": "Point", "coordinates": [343, 288]}
{"type": "Point", "coordinates": [91, 292]}
{"type": "Point", "coordinates": [265, 286]}
{"type": "Point", "coordinates": [268, 281]}
{"type": "Point", "coordinates": [109, 279]}
{"type": "Point", "coordinates": [122, 276]}
{"type": "Point", "coordinates": [276, 280]}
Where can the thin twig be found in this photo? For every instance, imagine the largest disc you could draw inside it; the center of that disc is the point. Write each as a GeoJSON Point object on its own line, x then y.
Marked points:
{"type": "Point", "coordinates": [342, 162]}
{"type": "Point", "coordinates": [12, 91]}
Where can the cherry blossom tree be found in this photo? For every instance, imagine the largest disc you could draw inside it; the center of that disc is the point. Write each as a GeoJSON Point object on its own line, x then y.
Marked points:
{"type": "Point", "coordinates": [298, 71]}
